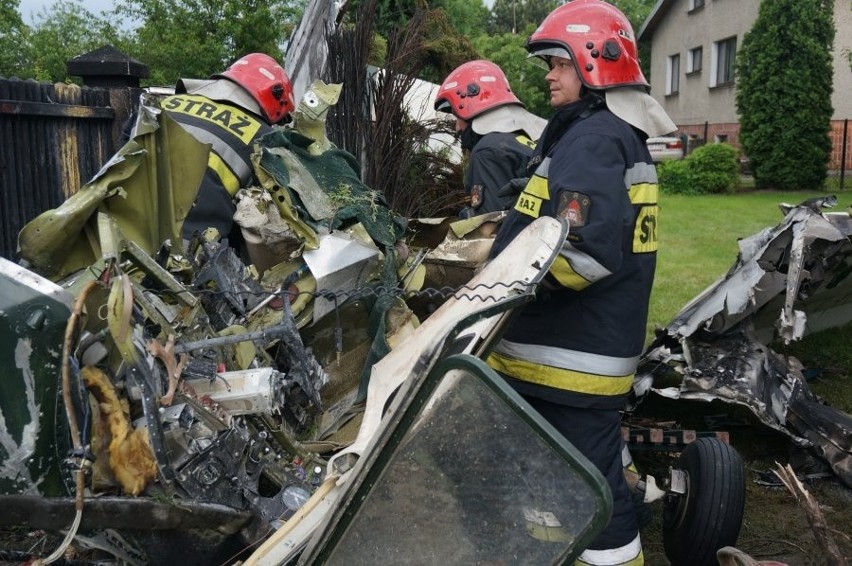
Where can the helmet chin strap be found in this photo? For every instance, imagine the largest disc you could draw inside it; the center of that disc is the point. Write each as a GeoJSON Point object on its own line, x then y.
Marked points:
{"type": "Point", "coordinates": [468, 138]}
{"type": "Point", "coordinates": [596, 95]}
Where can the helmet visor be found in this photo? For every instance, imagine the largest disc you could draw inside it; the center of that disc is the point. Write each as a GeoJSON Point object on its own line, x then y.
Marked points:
{"type": "Point", "coordinates": [541, 56]}
{"type": "Point", "coordinates": [443, 105]}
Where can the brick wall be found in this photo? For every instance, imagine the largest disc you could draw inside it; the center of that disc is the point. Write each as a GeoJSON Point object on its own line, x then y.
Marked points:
{"type": "Point", "coordinates": [731, 134]}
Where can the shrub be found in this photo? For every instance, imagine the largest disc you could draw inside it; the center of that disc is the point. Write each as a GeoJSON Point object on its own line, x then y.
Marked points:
{"type": "Point", "coordinates": [675, 178]}
{"type": "Point", "coordinates": [715, 168]}
{"type": "Point", "coordinates": [710, 169]}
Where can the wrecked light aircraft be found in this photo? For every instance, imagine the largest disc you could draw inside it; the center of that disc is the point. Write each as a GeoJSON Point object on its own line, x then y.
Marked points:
{"type": "Point", "coordinates": [171, 401]}
{"type": "Point", "coordinates": [789, 281]}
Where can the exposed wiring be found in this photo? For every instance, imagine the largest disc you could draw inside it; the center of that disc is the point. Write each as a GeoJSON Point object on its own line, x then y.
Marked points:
{"type": "Point", "coordinates": [69, 536]}
{"type": "Point", "coordinates": [460, 292]}
{"type": "Point", "coordinates": [79, 452]}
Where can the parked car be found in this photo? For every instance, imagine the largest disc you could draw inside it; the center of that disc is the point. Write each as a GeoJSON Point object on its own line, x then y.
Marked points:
{"type": "Point", "coordinates": [666, 148]}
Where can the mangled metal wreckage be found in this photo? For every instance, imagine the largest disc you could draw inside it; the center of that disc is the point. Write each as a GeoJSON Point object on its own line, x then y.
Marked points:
{"type": "Point", "coordinates": [172, 400]}
{"type": "Point", "coordinates": [788, 281]}
{"type": "Point", "coordinates": [303, 400]}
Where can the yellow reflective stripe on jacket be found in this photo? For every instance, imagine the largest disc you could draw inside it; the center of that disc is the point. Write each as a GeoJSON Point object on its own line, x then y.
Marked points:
{"type": "Point", "coordinates": [567, 277]}
{"type": "Point", "coordinates": [644, 193]}
{"type": "Point", "coordinates": [524, 140]}
{"type": "Point", "coordinates": [537, 187]}
{"type": "Point", "coordinates": [529, 205]}
{"type": "Point", "coordinates": [235, 120]}
{"type": "Point", "coordinates": [229, 180]}
{"type": "Point", "coordinates": [238, 164]}
{"type": "Point", "coordinates": [534, 194]}
{"type": "Point", "coordinates": [569, 380]}
{"type": "Point", "coordinates": [645, 237]}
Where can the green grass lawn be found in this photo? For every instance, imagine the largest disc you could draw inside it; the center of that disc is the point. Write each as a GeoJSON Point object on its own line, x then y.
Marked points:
{"type": "Point", "coordinates": [698, 241]}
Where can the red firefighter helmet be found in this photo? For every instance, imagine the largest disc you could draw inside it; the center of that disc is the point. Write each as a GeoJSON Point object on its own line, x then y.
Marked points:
{"type": "Point", "coordinates": [262, 77]}
{"type": "Point", "coordinates": [473, 88]}
{"type": "Point", "coordinates": [597, 37]}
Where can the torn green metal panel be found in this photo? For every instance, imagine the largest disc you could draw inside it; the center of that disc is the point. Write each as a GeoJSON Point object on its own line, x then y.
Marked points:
{"type": "Point", "coordinates": [326, 190]}
{"type": "Point", "coordinates": [33, 437]}
{"type": "Point", "coordinates": [147, 188]}
{"type": "Point", "coordinates": [299, 179]}
{"type": "Point", "coordinates": [275, 180]}
{"type": "Point", "coordinates": [312, 111]}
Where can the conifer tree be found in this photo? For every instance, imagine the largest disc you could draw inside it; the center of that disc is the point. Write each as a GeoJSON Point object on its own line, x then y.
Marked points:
{"type": "Point", "coordinates": [784, 83]}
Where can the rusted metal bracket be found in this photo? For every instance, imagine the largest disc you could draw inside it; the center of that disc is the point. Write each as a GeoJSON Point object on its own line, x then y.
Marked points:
{"type": "Point", "coordinates": [666, 439]}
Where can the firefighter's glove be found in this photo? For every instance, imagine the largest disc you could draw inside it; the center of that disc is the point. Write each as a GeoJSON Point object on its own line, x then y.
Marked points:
{"type": "Point", "coordinates": [513, 188]}
{"type": "Point", "coordinates": [467, 212]}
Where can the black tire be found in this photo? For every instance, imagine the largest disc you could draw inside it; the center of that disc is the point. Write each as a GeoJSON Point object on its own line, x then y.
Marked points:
{"type": "Point", "coordinates": [708, 517]}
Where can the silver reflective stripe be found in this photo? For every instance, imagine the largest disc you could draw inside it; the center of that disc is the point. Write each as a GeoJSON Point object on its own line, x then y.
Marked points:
{"type": "Point", "coordinates": [612, 556]}
{"type": "Point", "coordinates": [233, 159]}
{"type": "Point", "coordinates": [626, 456]}
{"type": "Point", "coordinates": [543, 169]}
{"type": "Point", "coordinates": [568, 359]}
{"type": "Point", "coordinates": [640, 173]}
{"type": "Point", "coordinates": [583, 264]}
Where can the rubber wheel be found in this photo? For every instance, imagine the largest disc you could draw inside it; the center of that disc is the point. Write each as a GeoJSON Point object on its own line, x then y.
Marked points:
{"type": "Point", "coordinates": [708, 517]}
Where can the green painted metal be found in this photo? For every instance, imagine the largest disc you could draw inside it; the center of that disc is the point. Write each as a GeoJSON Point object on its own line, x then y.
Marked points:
{"type": "Point", "coordinates": [33, 436]}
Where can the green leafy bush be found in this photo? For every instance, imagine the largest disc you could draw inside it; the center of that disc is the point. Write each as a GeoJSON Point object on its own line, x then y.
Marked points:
{"type": "Point", "coordinates": [715, 167]}
{"type": "Point", "coordinates": [675, 178]}
{"type": "Point", "coordinates": [710, 169]}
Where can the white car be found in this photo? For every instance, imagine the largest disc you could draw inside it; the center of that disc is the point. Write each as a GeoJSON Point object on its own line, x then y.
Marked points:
{"type": "Point", "coordinates": [666, 148]}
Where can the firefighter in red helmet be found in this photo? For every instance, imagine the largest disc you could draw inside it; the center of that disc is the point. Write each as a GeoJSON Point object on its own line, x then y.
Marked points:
{"type": "Point", "coordinates": [493, 126]}
{"type": "Point", "coordinates": [574, 350]}
{"type": "Point", "coordinates": [230, 110]}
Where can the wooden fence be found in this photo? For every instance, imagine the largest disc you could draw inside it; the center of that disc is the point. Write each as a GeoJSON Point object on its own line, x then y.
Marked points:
{"type": "Point", "coordinates": [53, 138]}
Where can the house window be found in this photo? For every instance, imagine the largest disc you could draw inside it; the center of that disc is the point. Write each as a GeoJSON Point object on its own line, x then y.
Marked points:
{"type": "Point", "coordinates": [695, 4]}
{"type": "Point", "coordinates": [693, 62]}
{"type": "Point", "coordinates": [673, 74]}
{"type": "Point", "coordinates": [724, 53]}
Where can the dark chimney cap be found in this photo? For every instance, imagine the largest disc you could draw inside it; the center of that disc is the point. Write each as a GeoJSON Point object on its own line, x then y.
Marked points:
{"type": "Point", "coordinates": [107, 66]}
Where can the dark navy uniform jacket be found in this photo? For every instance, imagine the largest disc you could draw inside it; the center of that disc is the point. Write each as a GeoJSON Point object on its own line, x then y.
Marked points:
{"type": "Point", "coordinates": [231, 131]}
{"type": "Point", "coordinates": [496, 159]}
{"type": "Point", "coordinates": [579, 342]}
